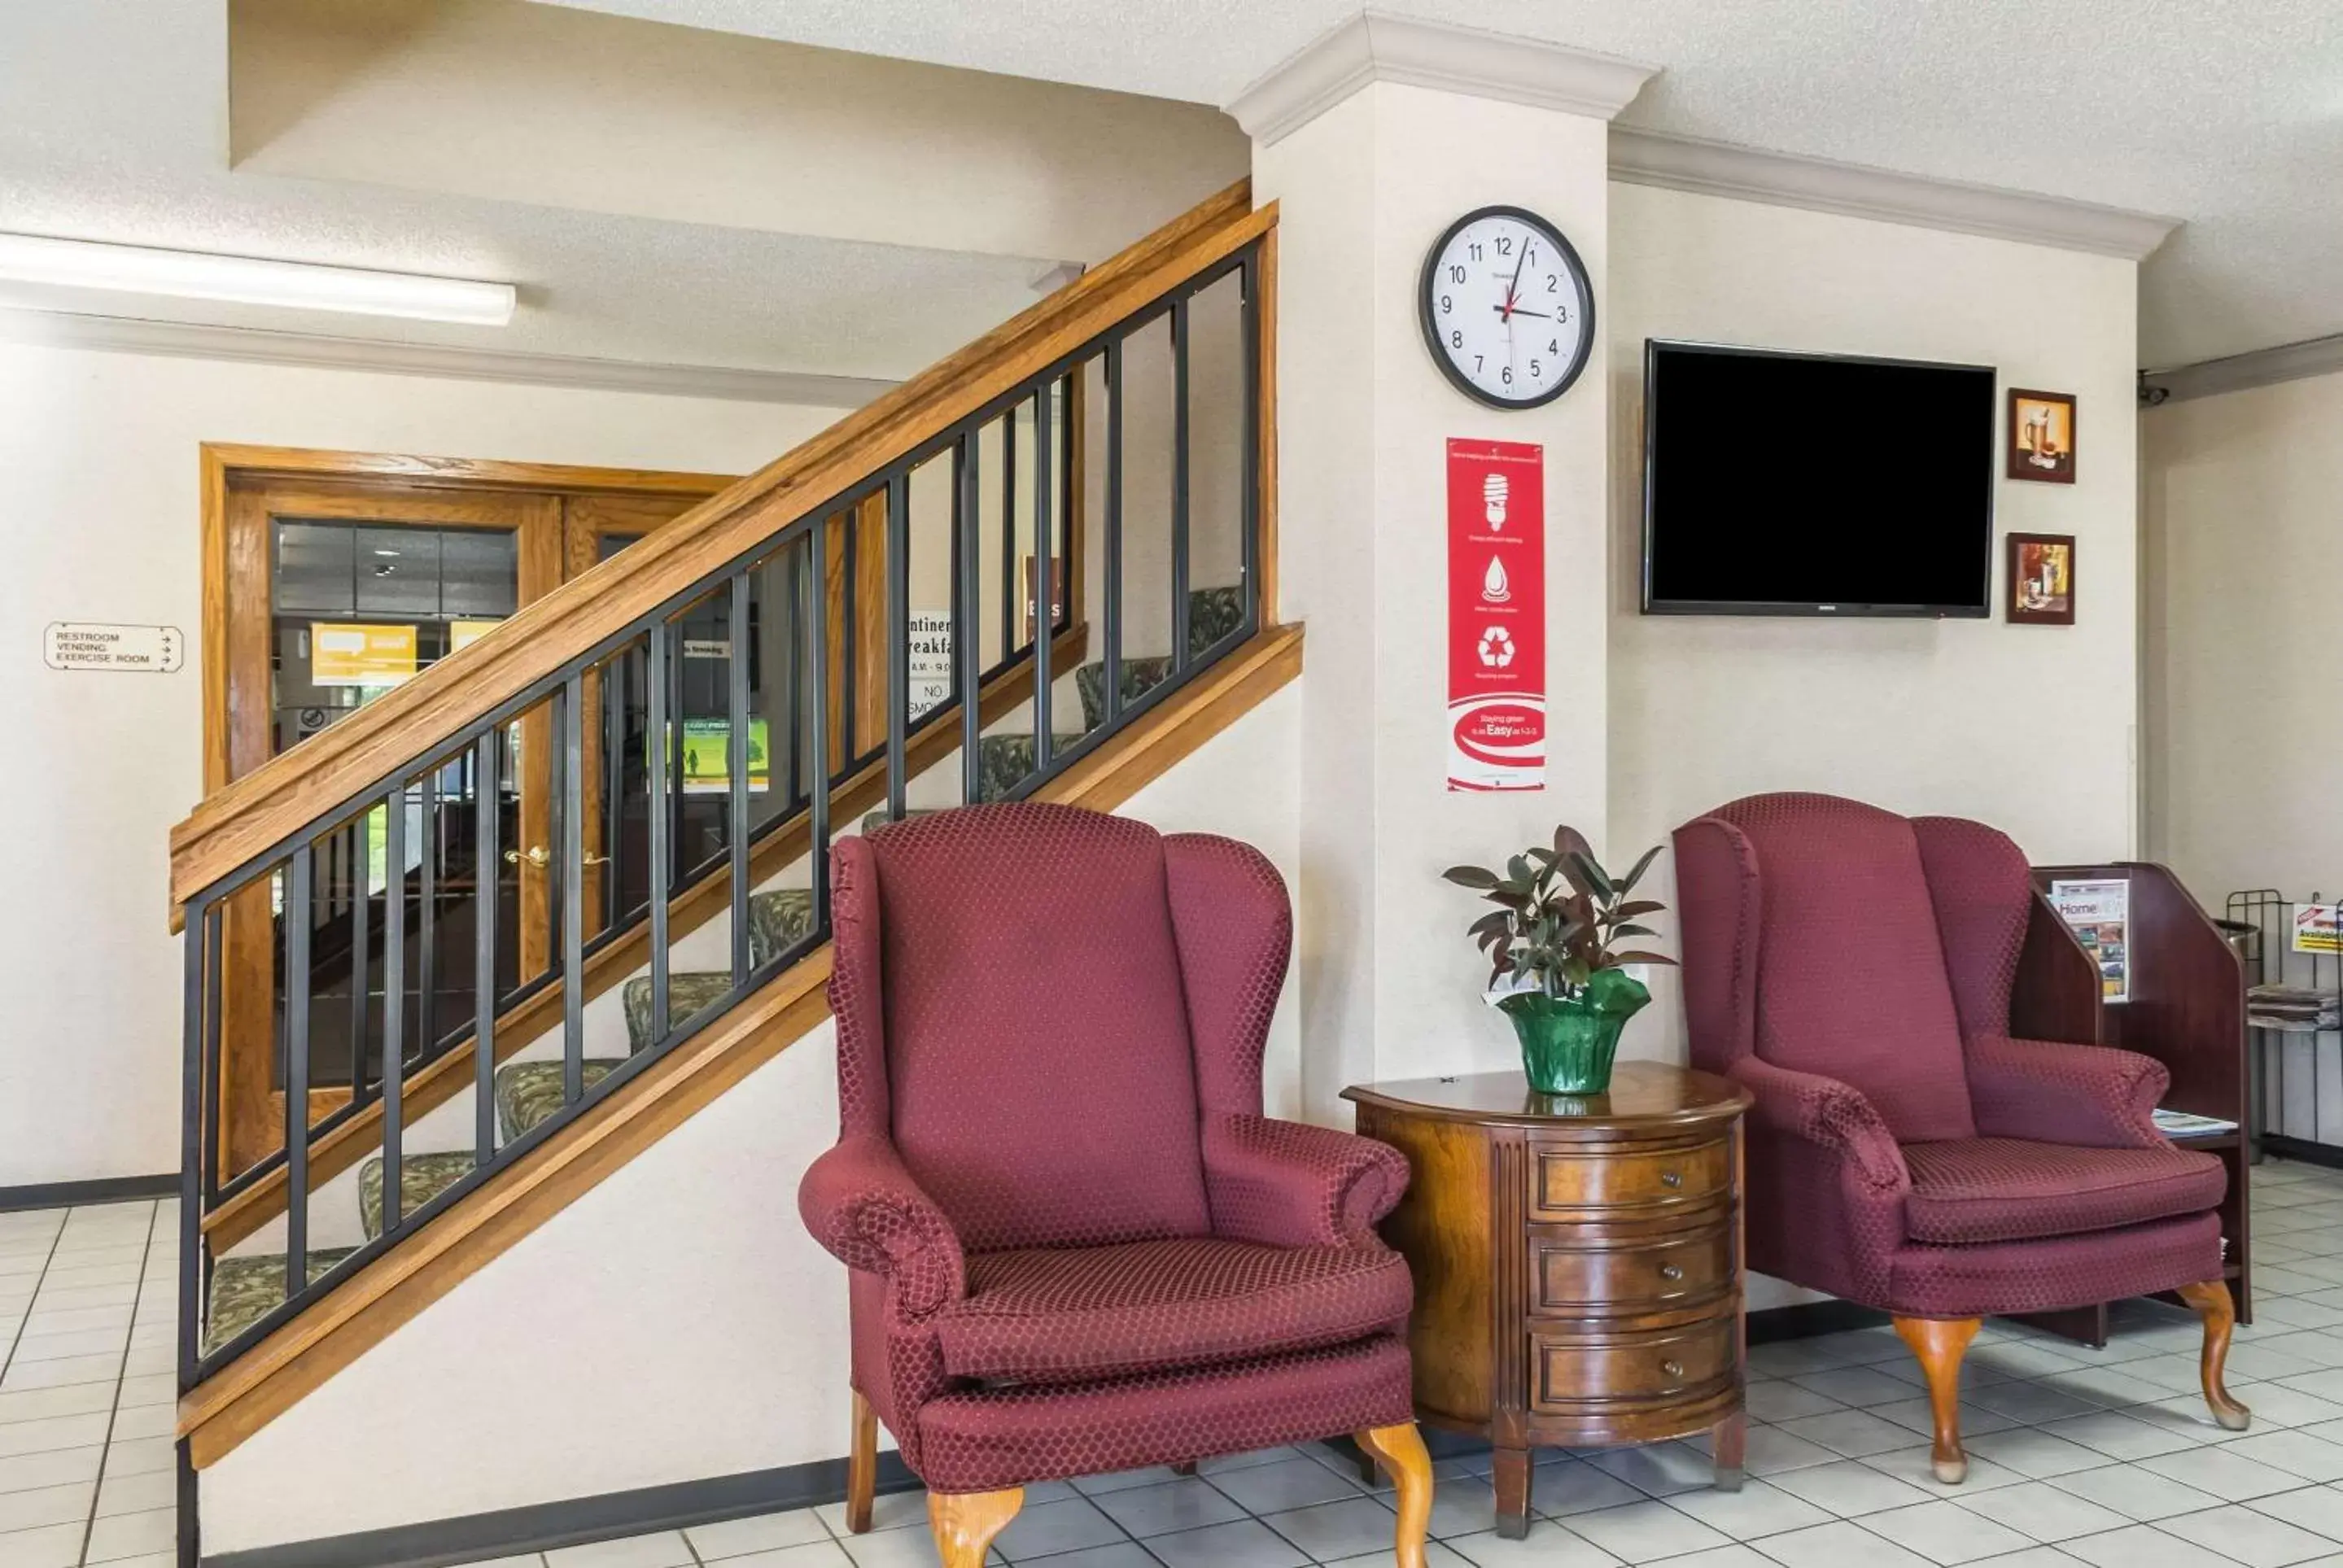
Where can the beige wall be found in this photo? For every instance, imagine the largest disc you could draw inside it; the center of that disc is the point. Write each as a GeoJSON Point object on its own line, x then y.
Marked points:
{"type": "Point", "coordinates": [2243, 561]}
{"type": "Point", "coordinates": [563, 107]}
{"type": "Point", "coordinates": [2026, 728]}
{"type": "Point", "coordinates": [101, 454]}
{"type": "Point", "coordinates": [719, 1325]}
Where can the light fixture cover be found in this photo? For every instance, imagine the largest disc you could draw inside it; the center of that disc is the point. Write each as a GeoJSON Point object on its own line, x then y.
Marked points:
{"type": "Point", "coordinates": [246, 280]}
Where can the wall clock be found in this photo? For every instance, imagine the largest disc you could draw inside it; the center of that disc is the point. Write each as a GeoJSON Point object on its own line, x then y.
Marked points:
{"type": "Point", "coordinates": [1506, 307]}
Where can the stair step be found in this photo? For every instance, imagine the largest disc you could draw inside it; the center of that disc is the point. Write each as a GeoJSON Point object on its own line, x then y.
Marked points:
{"type": "Point", "coordinates": [528, 1093]}
{"type": "Point", "coordinates": [247, 1288]}
{"type": "Point", "coordinates": [423, 1177]}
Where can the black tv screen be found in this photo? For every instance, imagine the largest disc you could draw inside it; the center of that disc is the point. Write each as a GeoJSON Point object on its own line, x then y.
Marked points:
{"type": "Point", "coordinates": [1802, 483]}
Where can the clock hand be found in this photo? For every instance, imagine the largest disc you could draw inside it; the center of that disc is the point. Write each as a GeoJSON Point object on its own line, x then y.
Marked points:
{"type": "Point", "coordinates": [1512, 289]}
{"type": "Point", "coordinates": [1517, 310]}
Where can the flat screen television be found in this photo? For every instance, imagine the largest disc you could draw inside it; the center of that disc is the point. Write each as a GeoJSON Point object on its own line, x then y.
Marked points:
{"type": "Point", "coordinates": [1810, 484]}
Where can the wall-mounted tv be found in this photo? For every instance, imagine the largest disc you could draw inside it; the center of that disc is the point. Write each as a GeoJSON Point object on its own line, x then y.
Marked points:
{"type": "Point", "coordinates": [1810, 484]}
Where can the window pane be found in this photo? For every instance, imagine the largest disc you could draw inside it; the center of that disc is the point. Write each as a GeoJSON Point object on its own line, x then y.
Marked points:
{"type": "Point", "coordinates": [479, 572]}
{"type": "Point", "coordinates": [397, 571]}
{"type": "Point", "coordinates": [313, 567]}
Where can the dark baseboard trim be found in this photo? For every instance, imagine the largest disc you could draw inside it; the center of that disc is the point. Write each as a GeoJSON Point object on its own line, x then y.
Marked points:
{"type": "Point", "coordinates": [107, 1190]}
{"type": "Point", "coordinates": [543, 1526]}
{"type": "Point", "coordinates": [1804, 1320]}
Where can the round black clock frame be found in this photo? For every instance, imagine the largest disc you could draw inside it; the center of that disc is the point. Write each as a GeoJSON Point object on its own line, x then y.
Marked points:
{"type": "Point", "coordinates": [1426, 292]}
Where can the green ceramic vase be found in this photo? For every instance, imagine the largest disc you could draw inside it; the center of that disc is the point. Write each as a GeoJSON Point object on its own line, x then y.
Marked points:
{"type": "Point", "coordinates": [1568, 1042]}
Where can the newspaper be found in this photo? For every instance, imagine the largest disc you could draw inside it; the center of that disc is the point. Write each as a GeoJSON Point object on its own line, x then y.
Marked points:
{"type": "Point", "coordinates": [2100, 914]}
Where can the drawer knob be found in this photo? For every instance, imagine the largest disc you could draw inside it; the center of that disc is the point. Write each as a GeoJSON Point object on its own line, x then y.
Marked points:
{"type": "Point", "coordinates": [1670, 1177]}
{"type": "Point", "coordinates": [1674, 1369]}
{"type": "Point", "coordinates": [1671, 1272]}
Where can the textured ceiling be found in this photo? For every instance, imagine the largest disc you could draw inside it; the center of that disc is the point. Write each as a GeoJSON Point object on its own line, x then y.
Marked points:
{"type": "Point", "coordinates": [116, 129]}
{"type": "Point", "coordinates": [2226, 115]}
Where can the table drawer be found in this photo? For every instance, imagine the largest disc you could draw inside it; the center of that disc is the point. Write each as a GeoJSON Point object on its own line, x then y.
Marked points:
{"type": "Point", "coordinates": [1574, 1274]}
{"type": "Point", "coordinates": [1567, 1179]}
{"type": "Point", "coordinates": [1570, 1372]}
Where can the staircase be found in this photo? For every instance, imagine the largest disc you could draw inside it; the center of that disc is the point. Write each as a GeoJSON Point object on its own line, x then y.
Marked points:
{"type": "Point", "coordinates": [684, 730]}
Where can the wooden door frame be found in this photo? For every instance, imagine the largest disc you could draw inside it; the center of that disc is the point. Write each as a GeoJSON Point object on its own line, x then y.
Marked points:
{"type": "Point", "coordinates": [237, 483]}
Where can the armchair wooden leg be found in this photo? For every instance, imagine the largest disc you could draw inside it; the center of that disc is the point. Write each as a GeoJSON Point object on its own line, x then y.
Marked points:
{"type": "Point", "coordinates": [1400, 1450]}
{"type": "Point", "coordinates": [1940, 1342]}
{"type": "Point", "coordinates": [966, 1521]}
{"type": "Point", "coordinates": [2212, 1302]}
{"type": "Point", "coordinates": [862, 1465]}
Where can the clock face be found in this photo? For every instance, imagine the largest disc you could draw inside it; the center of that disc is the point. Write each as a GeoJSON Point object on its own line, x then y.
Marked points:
{"type": "Point", "coordinates": [1507, 310]}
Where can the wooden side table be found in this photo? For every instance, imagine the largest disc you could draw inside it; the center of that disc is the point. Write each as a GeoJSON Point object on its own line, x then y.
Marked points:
{"type": "Point", "coordinates": [1577, 1262]}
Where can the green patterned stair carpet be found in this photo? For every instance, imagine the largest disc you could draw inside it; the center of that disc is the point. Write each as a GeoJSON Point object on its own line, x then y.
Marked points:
{"type": "Point", "coordinates": [422, 1177]}
{"type": "Point", "coordinates": [247, 1288]}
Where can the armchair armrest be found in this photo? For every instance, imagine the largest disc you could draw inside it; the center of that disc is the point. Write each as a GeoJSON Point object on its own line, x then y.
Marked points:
{"type": "Point", "coordinates": [867, 1211]}
{"type": "Point", "coordinates": [1832, 1116]}
{"type": "Point", "coordinates": [2056, 1092]}
{"type": "Point", "coordinates": [1291, 1184]}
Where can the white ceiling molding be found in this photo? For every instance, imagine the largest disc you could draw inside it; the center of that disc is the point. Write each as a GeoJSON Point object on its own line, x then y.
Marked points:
{"type": "Point", "coordinates": [1374, 47]}
{"type": "Point", "coordinates": [1853, 190]}
{"type": "Point", "coordinates": [185, 340]}
{"type": "Point", "coordinates": [2262, 367]}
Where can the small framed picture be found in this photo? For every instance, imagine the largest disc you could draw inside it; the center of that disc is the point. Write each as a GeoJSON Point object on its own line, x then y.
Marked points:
{"type": "Point", "coordinates": [2042, 579]}
{"type": "Point", "coordinates": [2041, 436]}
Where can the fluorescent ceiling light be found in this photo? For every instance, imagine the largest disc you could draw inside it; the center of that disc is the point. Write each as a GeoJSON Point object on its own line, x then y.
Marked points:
{"type": "Point", "coordinates": [297, 285]}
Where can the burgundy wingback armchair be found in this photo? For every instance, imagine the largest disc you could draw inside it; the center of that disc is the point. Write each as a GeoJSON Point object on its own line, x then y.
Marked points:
{"type": "Point", "coordinates": [1075, 1243]}
{"type": "Point", "coordinates": [1853, 969]}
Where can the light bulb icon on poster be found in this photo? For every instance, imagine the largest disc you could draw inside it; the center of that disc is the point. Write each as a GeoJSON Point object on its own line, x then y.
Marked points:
{"type": "Point", "coordinates": [1494, 490]}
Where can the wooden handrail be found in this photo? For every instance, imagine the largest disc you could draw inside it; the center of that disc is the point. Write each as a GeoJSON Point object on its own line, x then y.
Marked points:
{"type": "Point", "coordinates": [293, 789]}
{"type": "Point", "coordinates": [450, 1072]}
{"type": "Point", "coordinates": [221, 1412]}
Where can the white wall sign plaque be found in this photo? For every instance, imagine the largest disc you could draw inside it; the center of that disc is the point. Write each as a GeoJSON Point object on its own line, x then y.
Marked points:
{"type": "Point", "coordinates": [87, 645]}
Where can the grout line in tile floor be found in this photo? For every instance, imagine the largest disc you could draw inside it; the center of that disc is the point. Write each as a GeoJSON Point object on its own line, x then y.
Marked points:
{"type": "Point", "coordinates": [2080, 1459]}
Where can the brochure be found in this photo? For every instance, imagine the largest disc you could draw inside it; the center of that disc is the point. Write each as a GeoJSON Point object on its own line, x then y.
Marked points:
{"type": "Point", "coordinates": [2100, 914]}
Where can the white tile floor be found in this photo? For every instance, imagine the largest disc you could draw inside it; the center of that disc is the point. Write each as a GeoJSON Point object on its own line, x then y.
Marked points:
{"type": "Point", "coordinates": [88, 1307]}
{"type": "Point", "coordinates": [2104, 1458]}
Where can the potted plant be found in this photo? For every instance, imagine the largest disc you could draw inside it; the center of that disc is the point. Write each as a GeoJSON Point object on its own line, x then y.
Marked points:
{"type": "Point", "coordinates": [1558, 913]}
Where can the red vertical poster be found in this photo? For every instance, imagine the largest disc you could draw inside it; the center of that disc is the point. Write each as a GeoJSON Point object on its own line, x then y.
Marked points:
{"type": "Point", "coordinates": [1497, 614]}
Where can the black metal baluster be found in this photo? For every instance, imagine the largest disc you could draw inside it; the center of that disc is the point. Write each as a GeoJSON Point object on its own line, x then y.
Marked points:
{"type": "Point", "coordinates": [573, 877]}
{"type": "Point", "coordinates": [427, 958]}
{"type": "Point", "coordinates": [298, 914]}
{"type": "Point", "coordinates": [658, 757]}
{"type": "Point", "coordinates": [1251, 502]}
{"type": "Point", "coordinates": [1008, 534]}
{"type": "Point", "coordinates": [617, 684]}
{"type": "Point", "coordinates": [967, 534]}
{"type": "Point", "coordinates": [215, 939]}
{"type": "Point", "coordinates": [393, 1008]}
{"type": "Point", "coordinates": [360, 892]}
{"type": "Point", "coordinates": [849, 636]}
{"type": "Point", "coordinates": [1044, 579]}
{"type": "Point", "coordinates": [1180, 484]}
{"type": "Point", "coordinates": [197, 1070]}
{"type": "Point", "coordinates": [484, 949]}
{"type": "Point", "coordinates": [792, 595]}
{"type": "Point", "coordinates": [898, 636]}
{"type": "Point", "coordinates": [818, 639]}
{"type": "Point", "coordinates": [1113, 605]}
{"type": "Point", "coordinates": [736, 772]}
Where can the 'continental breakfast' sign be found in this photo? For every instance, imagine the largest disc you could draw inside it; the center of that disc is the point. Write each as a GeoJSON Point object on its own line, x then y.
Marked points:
{"type": "Point", "coordinates": [84, 645]}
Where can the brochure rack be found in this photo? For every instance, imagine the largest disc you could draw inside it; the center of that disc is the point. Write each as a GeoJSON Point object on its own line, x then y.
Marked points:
{"type": "Point", "coordinates": [2185, 1005]}
{"type": "Point", "coordinates": [2291, 1059]}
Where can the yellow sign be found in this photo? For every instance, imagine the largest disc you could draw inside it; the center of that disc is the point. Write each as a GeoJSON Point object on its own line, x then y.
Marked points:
{"type": "Point", "coordinates": [348, 653]}
{"type": "Point", "coordinates": [707, 756]}
{"type": "Point", "coordinates": [464, 633]}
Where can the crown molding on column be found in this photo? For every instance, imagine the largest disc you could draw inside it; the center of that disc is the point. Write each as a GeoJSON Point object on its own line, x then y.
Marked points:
{"type": "Point", "coordinates": [188, 340]}
{"type": "Point", "coordinates": [1374, 47]}
{"type": "Point", "coordinates": [2240, 372]}
{"type": "Point", "coordinates": [1855, 190]}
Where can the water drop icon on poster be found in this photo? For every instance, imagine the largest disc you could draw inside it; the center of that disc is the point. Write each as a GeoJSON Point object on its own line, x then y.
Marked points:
{"type": "Point", "coordinates": [1494, 588]}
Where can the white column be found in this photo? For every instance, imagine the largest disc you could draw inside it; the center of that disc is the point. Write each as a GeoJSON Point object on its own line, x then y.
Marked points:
{"type": "Point", "coordinates": [1372, 141]}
